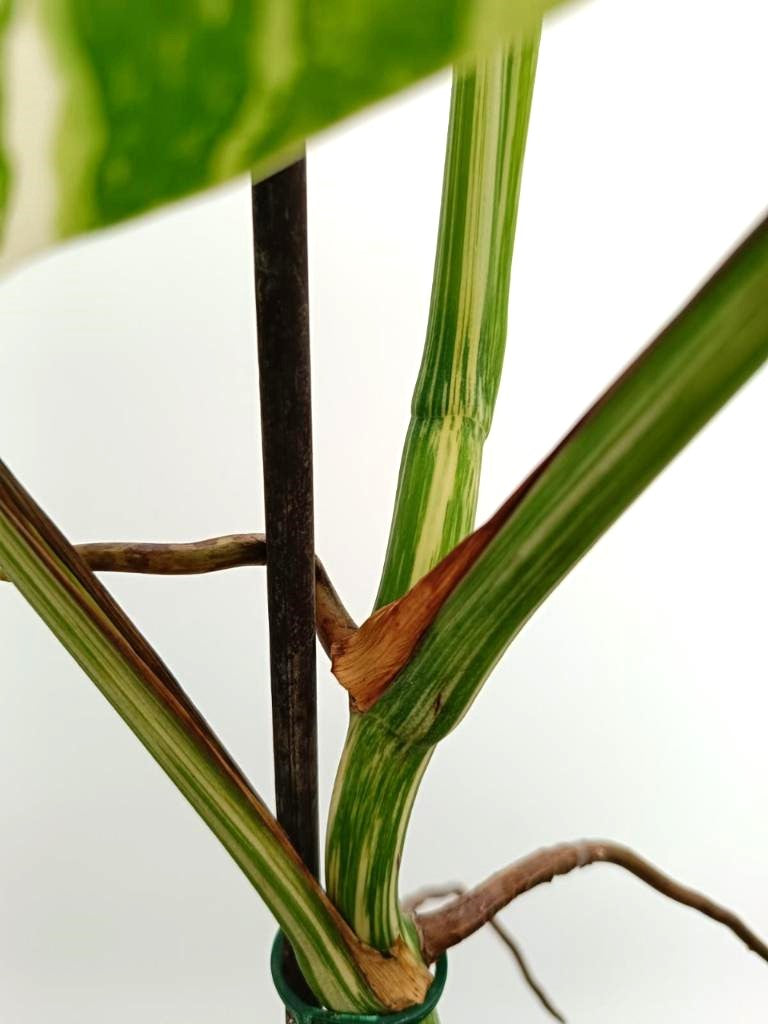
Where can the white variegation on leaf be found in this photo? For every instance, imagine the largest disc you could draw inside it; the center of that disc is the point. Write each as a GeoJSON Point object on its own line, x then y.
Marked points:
{"type": "Point", "coordinates": [110, 109]}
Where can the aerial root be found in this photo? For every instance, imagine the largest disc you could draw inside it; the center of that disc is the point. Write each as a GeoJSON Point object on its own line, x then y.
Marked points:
{"type": "Point", "coordinates": [471, 909]}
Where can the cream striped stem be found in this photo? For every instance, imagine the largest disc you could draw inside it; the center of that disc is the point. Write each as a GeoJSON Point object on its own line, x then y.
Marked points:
{"type": "Point", "coordinates": [456, 389]}
{"type": "Point", "coordinates": [111, 109]}
{"type": "Point", "coordinates": [426, 656]}
{"type": "Point", "coordinates": [52, 577]}
{"type": "Point", "coordinates": [452, 410]}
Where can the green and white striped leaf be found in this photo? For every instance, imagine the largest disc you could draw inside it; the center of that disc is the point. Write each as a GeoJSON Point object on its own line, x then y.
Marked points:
{"type": "Point", "coordinates": [451, 415]}
{"type": "Point", "coordinates": [110, 108]}
{"type": "Point", "coordinates": [458, 381]}
{"type": "Point", "coordinates": [510, 565]}
{"type": "Point", "coordinates": [80, 612]}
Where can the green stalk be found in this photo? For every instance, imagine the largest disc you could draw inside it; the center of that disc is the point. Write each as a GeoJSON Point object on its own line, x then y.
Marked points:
{"type": "Point", "coordinates": [678, 383]}
{"type": "Point", "coordinates": [452, 409]}
{"type": "Point", "coordinates": [78, 610]}
{"type": "Point", "coordinates": [634, 430]}
{"type": "Point", "coordinates": [376, 784]}
{"type": "Point", "coordinates": [458, 381]}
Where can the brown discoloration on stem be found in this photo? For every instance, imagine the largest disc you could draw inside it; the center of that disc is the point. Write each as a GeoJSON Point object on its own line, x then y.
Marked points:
{"type": "Point", "coordinates": [213, 555]}
{"type": "Point", "coordinates": [397, 977]}
{"type": "Point", "coordinates": [365, 662]}
{"type": "Point", "coordinates": [445, 927]}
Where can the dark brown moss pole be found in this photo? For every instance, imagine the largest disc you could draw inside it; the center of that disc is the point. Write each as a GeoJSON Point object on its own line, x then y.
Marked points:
{"type": "Point", "coordinates": [279, 206]}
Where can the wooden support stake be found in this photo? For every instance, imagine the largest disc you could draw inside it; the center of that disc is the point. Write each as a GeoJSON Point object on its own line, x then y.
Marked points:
{"type": "Point", "coordinates": [279, 208]}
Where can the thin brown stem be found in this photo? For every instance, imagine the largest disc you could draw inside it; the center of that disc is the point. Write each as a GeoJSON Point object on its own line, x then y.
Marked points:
{"type": "Point", "coordinates": [421, 896]}
{"type": "Point", "coordinates": [410, 904]}
{"type": "Point", "coordinates": [212, 555]}
{"type": "Point", "coordinates": [525, 970]}
{"type": "Point", "coordinates": [448, 925]}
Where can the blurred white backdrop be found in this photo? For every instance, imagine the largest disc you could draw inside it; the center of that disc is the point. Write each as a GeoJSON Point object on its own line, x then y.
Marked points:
{"type": "Point", "coordinates": [633, 705]}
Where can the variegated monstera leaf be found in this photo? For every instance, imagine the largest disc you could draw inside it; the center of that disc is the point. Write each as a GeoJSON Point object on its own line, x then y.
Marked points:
{"type": "Point", "coordinates": [112, 108]}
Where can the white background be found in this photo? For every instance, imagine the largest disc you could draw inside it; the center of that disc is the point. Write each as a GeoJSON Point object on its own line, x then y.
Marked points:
{"type": "Point", "coordinates": [634, 704]}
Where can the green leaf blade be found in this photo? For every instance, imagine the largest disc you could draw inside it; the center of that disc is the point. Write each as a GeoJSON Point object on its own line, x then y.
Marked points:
{"type": "Point", "coordinates": [146, 103]}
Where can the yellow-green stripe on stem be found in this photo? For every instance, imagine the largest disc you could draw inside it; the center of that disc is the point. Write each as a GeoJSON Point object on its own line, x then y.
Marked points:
{"type": "Point", "coordinates": [638, 426]}
{"type": "Point", "coordinates": [437, 492]}
{"type": "Point", "coordinates": [49, 574]}
{"type": "Point", "coordinates": [458, 381]}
